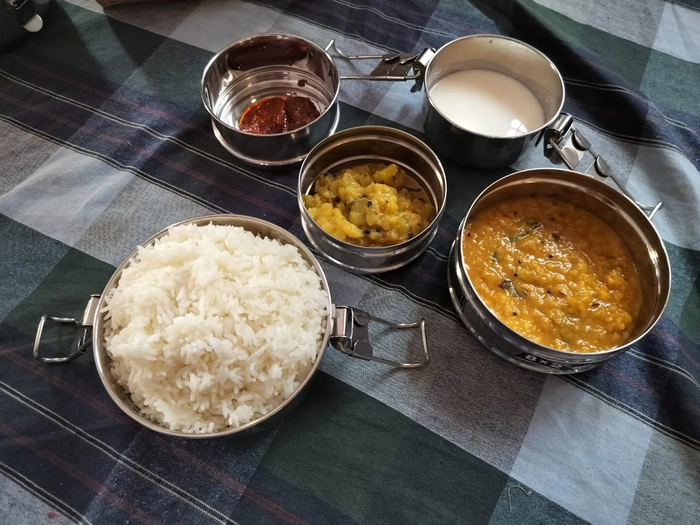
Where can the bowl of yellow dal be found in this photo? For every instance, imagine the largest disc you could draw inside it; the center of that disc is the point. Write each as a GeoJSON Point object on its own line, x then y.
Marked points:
{"type": "Point", "coordinates": [557, 272]}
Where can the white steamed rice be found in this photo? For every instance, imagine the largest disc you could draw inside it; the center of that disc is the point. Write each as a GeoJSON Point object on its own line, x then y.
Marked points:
{"type": "Point", "coordinates": [212, 327]}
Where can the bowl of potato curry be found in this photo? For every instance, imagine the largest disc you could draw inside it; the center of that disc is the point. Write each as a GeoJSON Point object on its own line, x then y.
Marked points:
{"type": "Point", "coordinates": [371, 198]}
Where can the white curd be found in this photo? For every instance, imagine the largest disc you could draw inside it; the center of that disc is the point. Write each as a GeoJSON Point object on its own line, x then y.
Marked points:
{"type": "Point", "coordinates": [488, 103]}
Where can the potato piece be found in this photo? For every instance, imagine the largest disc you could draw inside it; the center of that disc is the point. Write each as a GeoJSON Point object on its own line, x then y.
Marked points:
{"type": "Point", "coordinates": [358, 212]}
{"type": "Point", "coordinates": [311, 201]}
{"type": "Point", "coordinates": [386, 175]}
{"type": "Point", "coordinates": [351, 230]}
{"type": "Point", "coordinates": [348, 188]}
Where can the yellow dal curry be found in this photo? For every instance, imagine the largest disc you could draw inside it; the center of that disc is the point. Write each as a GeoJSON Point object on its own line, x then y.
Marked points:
{"type": "Point", "coordinates": [554, 273]}
{"type": "Point", "coordinates": [370, 205]}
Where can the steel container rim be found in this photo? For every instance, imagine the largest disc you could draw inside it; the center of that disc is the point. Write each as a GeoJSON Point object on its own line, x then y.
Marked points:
{"type": "Point", "coordinates": [401, 254]}
{"type": "Point", "coordinates": [102, 360]}
{"type": "Point", "coordinates": [217, 57]}
{"type": "Point", "coordinates": [274, 150]}
{"type": "Point", "coordinates": [464, 288]}
{"type": "Point", "coordinates": [273, 163]}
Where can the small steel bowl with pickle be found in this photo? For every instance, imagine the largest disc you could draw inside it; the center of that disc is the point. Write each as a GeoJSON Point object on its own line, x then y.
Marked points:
{"type": "Point", "coordinates": [271, 97]}
{"type": "Point", "coordinates": [371, 198]}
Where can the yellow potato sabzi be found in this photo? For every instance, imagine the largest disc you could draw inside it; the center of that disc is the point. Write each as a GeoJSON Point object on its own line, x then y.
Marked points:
{"type": "Point", "coordinates": [370, 205]}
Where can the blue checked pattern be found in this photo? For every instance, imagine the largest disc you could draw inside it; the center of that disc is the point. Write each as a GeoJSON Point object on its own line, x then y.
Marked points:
{"type": "Point", "coordinates": [104, 142]}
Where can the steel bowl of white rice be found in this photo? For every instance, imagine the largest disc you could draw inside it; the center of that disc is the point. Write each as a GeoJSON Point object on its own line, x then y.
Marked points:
{"type": "Point", "coordinates": [213, 326]}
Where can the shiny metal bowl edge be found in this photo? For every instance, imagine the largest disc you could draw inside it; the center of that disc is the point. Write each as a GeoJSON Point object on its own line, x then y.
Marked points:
{"type": "Point", "coordinates": [502, 54]}
{"type": "Point", "coordinates": [103, 361]}
{"type": "Point", "coordinates": [264, 65]}
{"type": "Point", "coordinates": [360, 145]}
{"type": "Point", "coordinates": [641, 238]}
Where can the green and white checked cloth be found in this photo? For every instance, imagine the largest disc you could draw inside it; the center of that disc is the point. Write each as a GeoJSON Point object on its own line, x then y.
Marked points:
{"type": "Point", "coordinates": [104, 142]}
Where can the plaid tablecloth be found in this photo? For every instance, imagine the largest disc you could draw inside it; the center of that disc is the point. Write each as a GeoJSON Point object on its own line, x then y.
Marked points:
{"type": "Point", "coordinates": [104, 142]}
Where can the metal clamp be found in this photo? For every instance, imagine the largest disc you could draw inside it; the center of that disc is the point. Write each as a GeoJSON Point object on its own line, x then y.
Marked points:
{"type": "Point", "coordinates": [392, 66]}
{"type": "Point", "coordinates": [350, 335]}
{"type": "Point", "coordinates": [23, 13]}
{"type": "Point", "coordinates": [83, 341]}
{"type": "Point", "coordinates": [571, 147]}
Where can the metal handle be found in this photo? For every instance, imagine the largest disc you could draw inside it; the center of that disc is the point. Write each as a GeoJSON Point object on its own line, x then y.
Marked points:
{"type": "Point", "coordinates": [24, 14]}
{"type": "Point", "coordinates": [571, 147]}
{"type": "Point", "coordinates": [83, 341]}
{"type": "Point", "coordinates": [392, 67]}
{"type": "Point", "coordinates": [350, 335]}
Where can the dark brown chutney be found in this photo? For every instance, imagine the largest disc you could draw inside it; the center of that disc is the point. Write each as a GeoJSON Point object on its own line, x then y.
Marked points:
{"type": "Point", "coordinates": [278, 114]}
